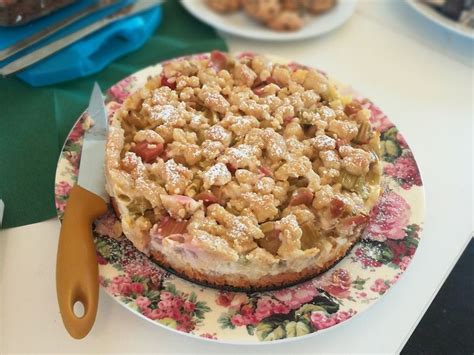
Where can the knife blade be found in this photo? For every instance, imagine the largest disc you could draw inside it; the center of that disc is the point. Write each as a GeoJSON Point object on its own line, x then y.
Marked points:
{"type": "Point", "coordinates": [77, 276]}
{"type": "Point", "coordinates": [48, 31]}
{"type": "Point", "coordinates": [51, 48]}
{"type": "Point", "coordinates": [91, 168]}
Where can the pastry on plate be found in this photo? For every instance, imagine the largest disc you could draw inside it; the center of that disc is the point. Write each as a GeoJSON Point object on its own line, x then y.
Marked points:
{"type": "Point", "coordinates": [279, 15]}
{"type": "Point", "coordinates": [242, 171]}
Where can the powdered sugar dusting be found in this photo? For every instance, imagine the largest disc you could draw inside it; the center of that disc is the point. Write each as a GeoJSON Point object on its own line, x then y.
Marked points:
{"type": "Point", "coordinates": [243, 151]}
{"type": "Point", "coordinates": [277, 147]}
{"type": "Point", "coordinates": [290, 220]}
{"type": "Point", "coordinates": [217, 175]}
{"type": "Point", "coordinates": [131, 159]}
{"type": "Point", "coordinates": [213, 242]}
{"type": "Point", "coordinates": [167, 114]}
{"type": "Point", "coordinates": [196, 120]}
{"type": "Point", "coordinates": [324, 142]}
{"type": "Point", "coordinates": [237, 228]}
{"type": "Point", "coordinates": [217, 132]}
{"type": "Point", "coordinates": [242, 121]}
{"type": "Point", "coordinates": [211, 149]}
{"type": "Point", "coordinates": [172, 171]}
{"type": "Point", "coordinates": [330, 156]}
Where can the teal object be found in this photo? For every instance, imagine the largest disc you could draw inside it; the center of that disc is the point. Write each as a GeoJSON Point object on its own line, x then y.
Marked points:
{"type": "Point", "coordinates": [89, 55]}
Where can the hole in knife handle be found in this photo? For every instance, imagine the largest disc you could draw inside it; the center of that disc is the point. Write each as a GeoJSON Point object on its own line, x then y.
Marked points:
{"type": "Point", "coordinates": [78, 309]}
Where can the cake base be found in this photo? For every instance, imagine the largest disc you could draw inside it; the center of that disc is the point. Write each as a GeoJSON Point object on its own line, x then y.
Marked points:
{"type": "Point", "coordinates": [239, 284]}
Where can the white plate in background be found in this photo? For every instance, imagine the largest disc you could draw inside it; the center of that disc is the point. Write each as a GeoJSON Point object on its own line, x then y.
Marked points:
{"type": "Point", "coordinates": [444, 21]}
{"type": "Point", "coordinates": [242, 25]}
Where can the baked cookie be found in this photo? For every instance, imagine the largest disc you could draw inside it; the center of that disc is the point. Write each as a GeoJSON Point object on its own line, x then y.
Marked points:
{"type": "Point", "coordinates": [286, 21]}
{"type": "Point", "coordinates": [242, 172]}
{"type": "Point", "coordinates": [291, 5]}
{"type": "Point", "coordinates": [279, 15]}
{"type": "Point", "coordinates": [318, 6]}
{"type": "Point", "coordinates": [262, 10]}
{"type": "Point", "coordinates": [224, 6]}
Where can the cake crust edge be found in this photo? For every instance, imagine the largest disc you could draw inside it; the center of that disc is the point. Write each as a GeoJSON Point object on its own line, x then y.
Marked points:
{"type": "Point", "coordinates": [235, 283]}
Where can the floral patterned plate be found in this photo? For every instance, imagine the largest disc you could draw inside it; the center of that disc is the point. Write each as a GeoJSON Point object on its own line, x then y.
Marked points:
{"type": "Point", "coordinates": [350, 287]}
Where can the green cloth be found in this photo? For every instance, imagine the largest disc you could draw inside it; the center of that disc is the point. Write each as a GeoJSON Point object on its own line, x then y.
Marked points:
{"type": "Point", "coordinates": [34, 122]}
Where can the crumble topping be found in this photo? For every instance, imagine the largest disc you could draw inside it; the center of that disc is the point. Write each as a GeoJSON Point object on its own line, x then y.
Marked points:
{"type": "Point", "coordinates": [247, 158]}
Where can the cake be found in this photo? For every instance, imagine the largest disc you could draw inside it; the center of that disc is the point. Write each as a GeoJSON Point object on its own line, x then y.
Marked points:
{"type": "Point", "coordinates": [243, 172]}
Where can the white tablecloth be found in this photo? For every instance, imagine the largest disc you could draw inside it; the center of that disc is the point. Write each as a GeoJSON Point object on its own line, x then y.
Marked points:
{"type": "Point", "coordinates": [422, 77]}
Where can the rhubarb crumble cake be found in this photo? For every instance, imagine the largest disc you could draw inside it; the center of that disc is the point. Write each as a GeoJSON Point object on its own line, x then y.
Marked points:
{"type": "Point", "coordinates": [242, 172]}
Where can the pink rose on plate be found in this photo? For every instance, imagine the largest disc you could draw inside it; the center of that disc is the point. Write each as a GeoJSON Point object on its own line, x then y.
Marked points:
{"type": "Point", "coordinates": [208, 336]}
{"type": "Point", "coordinates": [137, 288]}
{"type": "Point", "coordinates": [320, 320]}
{"type": "Point", "coordinates": [60, 205]}
{"type": "Point", "coordinates": [77, 132]}
{"type": "Point", "coordinates": [177, 302]}
{"type": "Point", "coordinates": [112, 107]}
{"type": "Point", "coordinates": [240, 319]}
{"type": "Point", "coordinates": [189, 307]}
{"type": "Point", "coordinates": [383, 124]}
{"type": "Point", "coordinates": [62, 188]}
{"type": "Point", "coordinates": [378, 119]}
{"type": "Point", "coordinates": [120, 285]}
{"type": "Point", "coordinates": [405, 170]}
{"type": "Point", "coordinates": [231, 299]}
{"type": "Point", "coordinates": [389, 218]}
{"type": "Point", "coordinates": [166, 296]}
{"type": "Point", "coordinates": [224, 299]}
{"type": "Point", "coordinates": [342, 316]}
{"type": "Point", "coordinates": [361, 254]}
{"type": "Point", "coordinates": [166, 304]}
{"type": "Point", "coordinates": [154, 314]}
{"type": "Point", "coordinates": [401, 141]}
{"type": "Point", "coordinates": [101, 260]}
{"type": "Point", "coordinates": [173, 313]}
{"type": "Point", "coordinates": [294, 297]}
{"type": "Point", "coordinates": [338, 284]}
{"type": "Point", "coordinates": [121, 90]}
{"type": "Point", "coordinates": [304, 293]}
{"type": "Point", "coordinates": [404, 262]}
{"type": "Point", "coordinates": [379, 286]}
{"type": "Point", "coordinates": [238, 300]}
{"type": "Point", "coordinates": [267, 306]}
{"type": "Point", "coordinates": [61, 191]}
{"type": "Point", "coordinates": [142, 302]}
{"type": "Point", "coordinates": [123, 285]}
{"type": "Point", "coordinates": [146, 271]}
{"type": "Point", "coordinates": [73, 158]}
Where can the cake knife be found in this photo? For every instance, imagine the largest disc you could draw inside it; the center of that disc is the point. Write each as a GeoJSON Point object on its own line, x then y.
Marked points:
{"type": "Point", "coordinates": [77, 277]}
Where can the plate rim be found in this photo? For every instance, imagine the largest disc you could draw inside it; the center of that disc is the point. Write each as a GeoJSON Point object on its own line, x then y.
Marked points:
{"type": "Point", "coordinates": [346, 8]}
{"type": "Point", "coordinates": [437, 18]}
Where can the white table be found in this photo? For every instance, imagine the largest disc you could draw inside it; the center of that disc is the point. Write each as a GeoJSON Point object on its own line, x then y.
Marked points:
{"type": "Point", "coordinates": [422, 76]}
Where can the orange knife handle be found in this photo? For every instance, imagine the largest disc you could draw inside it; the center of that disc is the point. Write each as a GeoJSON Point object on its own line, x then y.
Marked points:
{"type": "Point", "coordinates": [77, 276]}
